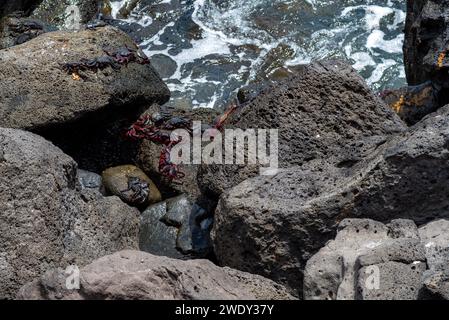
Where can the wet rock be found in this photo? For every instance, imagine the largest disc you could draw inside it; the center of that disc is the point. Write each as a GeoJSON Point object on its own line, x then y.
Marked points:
{"type": "Point", "coordinates": [274, 60]}
{"type": "Point", "coordinates": [131, 184]}
{"type": "Point", "coordinates": [59, 13]}
{"type": "Point", "coordinates": [164, 65]}
{"type": "Point", "coordinates": [45, 222]}
{"type": "Point", "coordinates": [325, 111]}
{"type": "Point", "coordinates": [413, 103]}
{"type": "Point", "coordinates": [426, 42]}
{"type": "Point", "coordinates": [149, 154]}
{"type": "Point", "coordinates": [272, 225]}
{"type": "Point", "coordinates": [176, 228]}
{"type": "Point", "coordinates": [156, 237]}
{"type": "Point", "coordinates": [194, 234]}
{"type": "Point", "coordinates": [135, 275]}
{"type": "Point", "coordinates": [340, 270]}
{"type": "Point", "coordinates": [85, 118]}
{"type": "Point", "coordinates": [90, 180]}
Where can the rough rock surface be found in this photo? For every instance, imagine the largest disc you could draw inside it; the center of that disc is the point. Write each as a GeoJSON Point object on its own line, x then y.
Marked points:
{"type": "Point", "coordinates": [45, 221]}
{"type": "Point", "coordinates": [272, 225]}
{"type": "Point", "coordinates": [342, 268]}
{"type": "Point", "coordinates": [398, 281]}
{"type": "Point", "coordinates": [85, 118]}
{"type": "Point", "coordinates": [325, 111]}
{"type": "Point", "coordinates": [55, 12]}
{"type": "Point", "coordinates": [176, 228]}
{"type": "Point", "coordinates": [26, 6]}
{"type": "Point", "coordinates": [137, 275]}
{"type": "Point", "coordinates": [435, 238]}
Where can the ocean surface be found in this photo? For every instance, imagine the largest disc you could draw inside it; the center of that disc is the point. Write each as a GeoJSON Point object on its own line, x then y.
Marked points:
{"type": "Point", "coordinates": [207, 49]}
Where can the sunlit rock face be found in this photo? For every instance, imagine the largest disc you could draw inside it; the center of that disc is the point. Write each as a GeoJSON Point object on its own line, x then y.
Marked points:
{"type": "Point", "coordinates": [272, 225]}
{"type": "Point", "coordinates": [207, 49]}
{"type": "Point", "coordinates": [46, 221]}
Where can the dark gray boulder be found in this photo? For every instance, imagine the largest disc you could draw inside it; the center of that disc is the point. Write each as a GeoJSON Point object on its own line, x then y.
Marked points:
{"type": "Point", "coordinates": [325, 111]}
{"type": "Point", "coordinates": [435, 238]}
{"type": "Point", "coordinates": [46, 221]}
{"type": "Point", "coordinates": [33, 81]}
{"type": "Point", "coordinates": [413, 103]}
{"type": "Point", "coordinates": [15, 30]}
{"type": "Point", "coordinates": [25, 6]}
{"type": "Point", "coordinates": [426, 58]}
{"type": "Point", "coordinates": [176, 228]}
{"type": "Point", "coordinates": [272, 225]}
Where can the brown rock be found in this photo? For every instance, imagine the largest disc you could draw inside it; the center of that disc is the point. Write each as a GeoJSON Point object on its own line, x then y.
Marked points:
{"type": "Point", "coordinates": [116, 181]}
{"type": "Point", "coordinates": [325, 111]}
{"type": "Point", "coordinates": [135, 275]}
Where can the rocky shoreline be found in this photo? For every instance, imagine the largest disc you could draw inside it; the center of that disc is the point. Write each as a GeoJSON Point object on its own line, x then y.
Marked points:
{"type": "Point", "coordinates": [362, 191]}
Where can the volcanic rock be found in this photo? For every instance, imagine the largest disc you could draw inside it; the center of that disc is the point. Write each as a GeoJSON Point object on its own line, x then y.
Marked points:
{"type": "Point", "coordinates": [363, 249]}
{"type": "Point", "coordinates": [85, 118]}
{"type": "Point", "coordinates": [325, 111]}
{"type": "Point", "coordinates": [135, 275]}
{"type": "Point", "coordinates": [149, 154]}
{"type": "Point", "coordinates": [272, 225]}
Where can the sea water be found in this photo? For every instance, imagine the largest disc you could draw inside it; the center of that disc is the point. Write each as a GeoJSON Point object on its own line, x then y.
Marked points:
{"type": "Point", "coordinates": [207, 49]}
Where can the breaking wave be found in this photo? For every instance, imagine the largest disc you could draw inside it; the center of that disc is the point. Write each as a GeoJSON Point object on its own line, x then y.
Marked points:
{"type": "Point", "coordinates": [207, 49]}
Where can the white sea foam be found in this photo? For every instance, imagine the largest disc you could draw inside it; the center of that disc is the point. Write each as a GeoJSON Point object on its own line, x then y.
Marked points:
{"type": "Point", "coordinates": [377, 40]}
{"type": "Point", "coordinates": [366, 41]}
{"type": "Point", "coordinates": [135, 17]}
